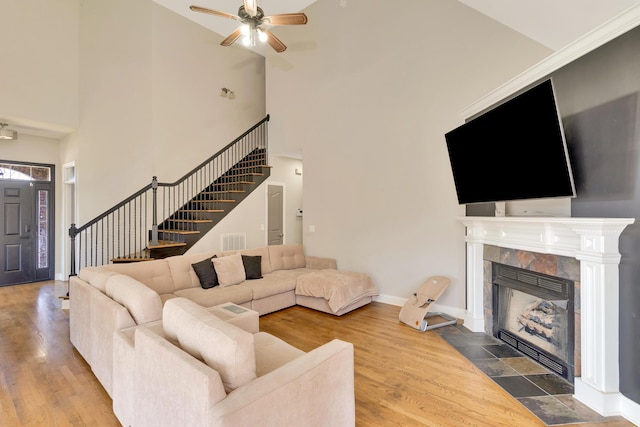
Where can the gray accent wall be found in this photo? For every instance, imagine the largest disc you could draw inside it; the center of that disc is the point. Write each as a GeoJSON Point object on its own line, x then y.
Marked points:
{"type": "Point", "coordinates": [598, 98]}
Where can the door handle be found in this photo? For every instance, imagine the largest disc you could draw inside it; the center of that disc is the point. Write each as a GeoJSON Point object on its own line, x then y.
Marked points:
{"type": "Point", "coordinates": [27, 232]}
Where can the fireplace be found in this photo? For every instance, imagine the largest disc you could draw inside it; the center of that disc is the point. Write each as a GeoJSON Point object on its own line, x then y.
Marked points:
{"type": "Point", "coordinates": [593, 244]}
{"type": "Point", "coordinates": [534, 313]}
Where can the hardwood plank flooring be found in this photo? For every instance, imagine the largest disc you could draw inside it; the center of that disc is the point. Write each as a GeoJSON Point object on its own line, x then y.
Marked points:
{"type": "Point", "coordinates": [43, 380]}
{"type": "Point", "coordinates": [402, 377]}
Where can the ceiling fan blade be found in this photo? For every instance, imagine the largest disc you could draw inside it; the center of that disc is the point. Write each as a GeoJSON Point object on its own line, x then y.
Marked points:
{"type": "Point", "coordinates": [274, 42]}
{"type": "Point", "coordinates": [231, 38]}
{"type": "Point", "coordinates": [251, 7]}
{"type": "Point", "coordinates": [214, 12]}
{"type": "Point", "coordinates": [286, 19]}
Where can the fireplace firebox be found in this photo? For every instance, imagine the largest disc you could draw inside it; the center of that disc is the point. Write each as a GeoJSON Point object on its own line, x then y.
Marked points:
{"type": "Point", "coordinates": [534, 313]}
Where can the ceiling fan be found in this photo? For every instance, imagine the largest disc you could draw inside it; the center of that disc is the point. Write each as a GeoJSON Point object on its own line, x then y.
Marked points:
{"type": "Point", "coordinates": [254, 24]}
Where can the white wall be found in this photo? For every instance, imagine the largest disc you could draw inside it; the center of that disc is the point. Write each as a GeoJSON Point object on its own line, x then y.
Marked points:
{"type": "Point", "coordinates": [39, 69]}
{"type": "Point", "coordinates": [370, 95]}
{"type": "Point", "coordinates": [136, 85]}
{"type": "Point", "coordinates": [149, 98]}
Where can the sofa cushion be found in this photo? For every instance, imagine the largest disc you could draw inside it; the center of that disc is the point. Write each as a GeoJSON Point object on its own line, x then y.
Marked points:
{"type": "Point", "coordinates": [96, 276]}
{"type": "Point", "coordinates": [210, 297]}
{"type": "Point", "coordinates": [206, 273]}
{"type": "Point", "coordinates": [144, 304]}
{"type": "Point", "coordinates": [221, 345]}
{"type": "Point", "coordinates": [286, 257]}
{"type": "Point", "coordinates": [229, 269]}
{"type": "Point", "coordinates": [270, 284]}
{"type": "Point", "coordinates": [155, 274]}
{"type": "Point", "coordinates": [252, 269]}
{"type": "Point", "coordinates": [272, 352]}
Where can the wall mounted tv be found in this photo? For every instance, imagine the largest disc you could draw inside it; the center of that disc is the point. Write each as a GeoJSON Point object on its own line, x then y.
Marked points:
{"type": "Point", "coordinates": [515, 151]}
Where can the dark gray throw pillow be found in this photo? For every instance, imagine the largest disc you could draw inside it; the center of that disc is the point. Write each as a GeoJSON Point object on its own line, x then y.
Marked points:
{"type": "Point", "coordinates": [206, 273]}
{"type": "Point", "coordinates": [252, 266]}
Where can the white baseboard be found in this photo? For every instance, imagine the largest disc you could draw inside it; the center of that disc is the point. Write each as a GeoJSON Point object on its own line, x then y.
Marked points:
{"type": "Point", "coordinates": [458, 313]}
{"type": "Point", "coordinates": [607, 404]}
{"type": "Point", "coordinates": [390, 299]}
{"type": "Point", "coordinates": [630, 410]}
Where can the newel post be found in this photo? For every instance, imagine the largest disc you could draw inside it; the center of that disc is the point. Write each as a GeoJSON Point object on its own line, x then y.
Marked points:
{"type": "Point", "coordinates": [154, 227]}
{"type": "Point", "coordinates": [73, 232]}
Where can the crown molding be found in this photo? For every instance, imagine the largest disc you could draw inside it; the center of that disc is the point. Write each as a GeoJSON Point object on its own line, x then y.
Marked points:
{"type": "Point", "coordinates": [606, 32]}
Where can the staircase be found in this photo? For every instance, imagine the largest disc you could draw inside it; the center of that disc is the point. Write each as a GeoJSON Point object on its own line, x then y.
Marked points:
{"type": "Point", "coordinates": [190, 207]}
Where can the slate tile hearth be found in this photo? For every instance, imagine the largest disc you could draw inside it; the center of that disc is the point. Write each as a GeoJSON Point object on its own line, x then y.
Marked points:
{"type": "Point", "coordinates": [544, 393]}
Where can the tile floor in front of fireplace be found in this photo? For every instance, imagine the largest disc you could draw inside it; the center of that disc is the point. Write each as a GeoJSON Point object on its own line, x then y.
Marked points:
{"type": "Point", "coordinates": [544, 393]}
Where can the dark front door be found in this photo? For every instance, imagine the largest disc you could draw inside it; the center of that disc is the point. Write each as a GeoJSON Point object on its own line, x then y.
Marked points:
{"type": "Point", "coordinates": [17, 201]}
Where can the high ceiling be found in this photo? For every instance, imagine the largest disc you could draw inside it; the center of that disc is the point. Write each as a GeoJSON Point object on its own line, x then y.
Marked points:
{"type": "Point", "coordinates": [553, 23]}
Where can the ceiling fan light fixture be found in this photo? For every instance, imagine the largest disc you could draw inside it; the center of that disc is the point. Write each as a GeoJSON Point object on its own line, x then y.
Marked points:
{"type": "Point", "coordinates": [6, 133]}
{"type": "Point", "coordinates": [251, 17]}
{"type": "Point", "coordinates": [262, 36]}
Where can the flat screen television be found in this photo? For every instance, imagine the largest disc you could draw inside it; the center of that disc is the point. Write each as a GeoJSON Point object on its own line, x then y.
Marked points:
{"type": "Point", "coordinates": [515, 151]}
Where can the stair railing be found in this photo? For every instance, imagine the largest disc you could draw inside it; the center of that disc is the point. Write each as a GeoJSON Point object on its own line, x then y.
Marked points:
{"type": "Point", "coordinates": [131, 227]}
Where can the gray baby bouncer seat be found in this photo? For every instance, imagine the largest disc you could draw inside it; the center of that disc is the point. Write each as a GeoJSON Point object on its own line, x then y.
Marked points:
{"type": "Point", "coordinates": [415, 312]}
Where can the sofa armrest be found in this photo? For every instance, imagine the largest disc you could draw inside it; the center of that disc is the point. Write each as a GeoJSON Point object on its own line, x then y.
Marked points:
{"type": "Point", "coordinates": [316, 389]}
{"type": "Point", "coordinates": [318, 263]}
{"type": "Point", "coordinates": [80, 332]}
{"type": "Point", "coordinates": [172, 387]}
{"type": "Point", "coordinates": [93, 318]}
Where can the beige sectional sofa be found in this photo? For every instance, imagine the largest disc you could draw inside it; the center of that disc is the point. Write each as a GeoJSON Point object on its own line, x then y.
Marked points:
{"type": "Point", "coordinates": [195, 369]}
{"type": "Point", "coordinates": [114, 297]}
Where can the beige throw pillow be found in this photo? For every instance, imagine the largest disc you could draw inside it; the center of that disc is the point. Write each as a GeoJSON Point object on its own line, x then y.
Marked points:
{"type": "Point", "coordinates": [230, 270]}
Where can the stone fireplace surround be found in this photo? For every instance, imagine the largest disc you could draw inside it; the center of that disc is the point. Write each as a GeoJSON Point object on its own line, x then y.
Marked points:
{"type": "Point", "coordinates": [593, 242]}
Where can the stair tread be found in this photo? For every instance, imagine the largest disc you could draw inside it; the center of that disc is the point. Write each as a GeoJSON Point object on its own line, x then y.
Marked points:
{"type": "Point", "coordinates": [252, 167]}
{"type": "Point", "coordinates": [214, 201]}
{"type": "Point", "coordinates": [202, 210]}
{"type": "Point", "coordinates": [136, 257]}
{"type": "Point", "coordinates": [189, 220]}
{"type": "Point", "coordinates": [175, 231]}
{"type": "Point", "coordinates": [233, 175]}
{"type": "Point", "coordinates": [234, 183]}
{"type": "Point", "coordinates": [223, 191]}
{"type": "Point", "coordinates": [128, 260]}
{"type": "Point", "coordinates": [166, 244]}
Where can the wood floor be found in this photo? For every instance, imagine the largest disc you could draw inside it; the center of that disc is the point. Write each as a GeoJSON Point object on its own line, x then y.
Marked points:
{"type": "Point", "coordinates": [402, 377]}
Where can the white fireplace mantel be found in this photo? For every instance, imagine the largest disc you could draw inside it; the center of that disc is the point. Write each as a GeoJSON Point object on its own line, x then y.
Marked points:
{"type": "Point", "coordinates": [592, 241]}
